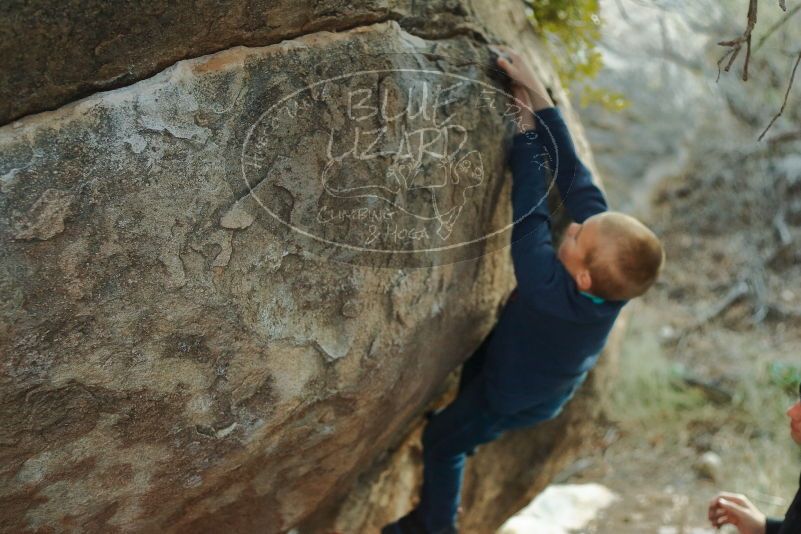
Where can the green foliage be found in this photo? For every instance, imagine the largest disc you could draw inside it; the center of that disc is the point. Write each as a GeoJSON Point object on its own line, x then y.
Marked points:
{"type": "Point", "coordinates": [572, 29]}
{"type": "Point", "coordinates": [611, 100]}
{"type": "Point", "coordinates": [650, 389]}
{"type": "Point", "coordinates": [785, 376]}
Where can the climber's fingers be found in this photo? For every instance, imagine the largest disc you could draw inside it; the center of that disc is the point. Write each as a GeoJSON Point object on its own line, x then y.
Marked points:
{"type": "Point", "coordinates": [511, 53]}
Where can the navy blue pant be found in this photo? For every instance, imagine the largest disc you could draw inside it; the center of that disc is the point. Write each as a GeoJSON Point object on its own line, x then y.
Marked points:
{"type": "Point", "coordinates": [455, 432]}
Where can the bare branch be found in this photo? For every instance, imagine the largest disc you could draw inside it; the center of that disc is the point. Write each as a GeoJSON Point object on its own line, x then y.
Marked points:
{"type": "Point", "coordinates": [784, 312]}
{"type": "Point", "coordinates": [747, 58]}
{"type": "Point", "coordinates": [736, 44]}
{"type": "Point", "coordinates": [722, 59]}
{"type": "Point", "coordinates": [711, 390]}
{"type": "Point", "coordinates": [759, 292]}
{"type": "Point", "coordinates": [735, 293]}
{"type": "Point", "coordinates": [785, 237]}
{"type": "Point", "coordinates": [786, 95]}
{"type": "Point", "coordinates": [623, 13]}
{"type": "Point", "coordinates": [785, 137]}
{"type": "Point", "coordinates": [776, 25]}
{"type": "Point", "coordinates": [733, 57]}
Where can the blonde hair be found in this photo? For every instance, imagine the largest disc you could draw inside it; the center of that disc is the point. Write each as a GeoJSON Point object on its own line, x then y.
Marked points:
{"type": "Point", "coordinates": [634, 260]}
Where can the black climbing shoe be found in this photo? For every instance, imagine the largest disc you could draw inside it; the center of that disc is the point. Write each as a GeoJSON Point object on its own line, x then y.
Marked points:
{"type": "Point", "coordinates": [408, 524]}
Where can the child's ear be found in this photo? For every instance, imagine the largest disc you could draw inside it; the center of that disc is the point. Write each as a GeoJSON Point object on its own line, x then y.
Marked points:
{"type": "Point", "coordinates": [584, 280]}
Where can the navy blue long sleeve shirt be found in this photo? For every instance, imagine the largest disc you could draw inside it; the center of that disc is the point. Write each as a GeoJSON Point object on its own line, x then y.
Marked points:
{"type": "Point", "coordinates": [791, 524]}
{"type": "Point", "coordinates": [549, 334]}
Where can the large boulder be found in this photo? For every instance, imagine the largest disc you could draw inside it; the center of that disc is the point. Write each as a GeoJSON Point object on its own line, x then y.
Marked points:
{"type": "Point", "coordinates": [230, 289]}
{"type": "Point", "coordinates": [52, 53]}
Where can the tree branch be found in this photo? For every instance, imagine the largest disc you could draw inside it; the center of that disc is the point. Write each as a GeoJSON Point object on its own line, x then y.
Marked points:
{"type": "Point", "coordinates": [736, 44]}
{"type": "Point", "coordinates": [785, 137]}
{"type": "Point", "coordinates": [778, 24]}
{"type": "Point", "coordinates": [786, 95]}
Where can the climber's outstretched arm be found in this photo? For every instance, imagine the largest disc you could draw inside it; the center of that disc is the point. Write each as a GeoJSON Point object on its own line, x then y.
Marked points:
{"type": "Point", "coordinates": [573, 180]}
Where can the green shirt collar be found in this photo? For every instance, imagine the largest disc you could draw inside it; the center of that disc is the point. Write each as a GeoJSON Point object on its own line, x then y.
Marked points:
{"type": "Point", "coordinates": [596, 300]}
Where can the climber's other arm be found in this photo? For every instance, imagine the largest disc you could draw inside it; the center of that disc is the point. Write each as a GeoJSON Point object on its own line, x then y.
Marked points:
{"type": "Point", "coordinates": [574, 181]}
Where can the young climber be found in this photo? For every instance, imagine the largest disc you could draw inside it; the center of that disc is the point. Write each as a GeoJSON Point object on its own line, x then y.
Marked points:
{"type": "Point", "coordinates": [556, 321]}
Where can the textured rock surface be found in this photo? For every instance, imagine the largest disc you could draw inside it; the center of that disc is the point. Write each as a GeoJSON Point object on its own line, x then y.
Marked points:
{"type": "Point", "coordinates": [183, 352]}
{"type": "Point", "coordinates": [82, 46]}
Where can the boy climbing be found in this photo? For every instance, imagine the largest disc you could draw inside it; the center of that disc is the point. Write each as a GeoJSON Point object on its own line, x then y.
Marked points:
{"type": "Point", "coordinates": [556, 321]}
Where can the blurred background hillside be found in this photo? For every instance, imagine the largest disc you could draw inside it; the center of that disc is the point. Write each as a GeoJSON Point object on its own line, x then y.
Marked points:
{"type": "Point", "coordinates": [712, 357]}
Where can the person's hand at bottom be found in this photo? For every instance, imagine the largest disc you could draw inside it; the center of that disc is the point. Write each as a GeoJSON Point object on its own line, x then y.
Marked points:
{"type": "Point", "coordinates": [735, 509]}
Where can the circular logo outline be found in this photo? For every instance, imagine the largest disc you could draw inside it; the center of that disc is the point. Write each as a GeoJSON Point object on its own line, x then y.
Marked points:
{"type": "Point", "coordinates": [303, 232]}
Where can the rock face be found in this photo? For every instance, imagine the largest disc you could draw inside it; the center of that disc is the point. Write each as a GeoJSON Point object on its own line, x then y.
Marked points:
{"type": "Point", "coordinates": [228, 289]}
{"type": "Point", "coordinates": [82, 46]}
